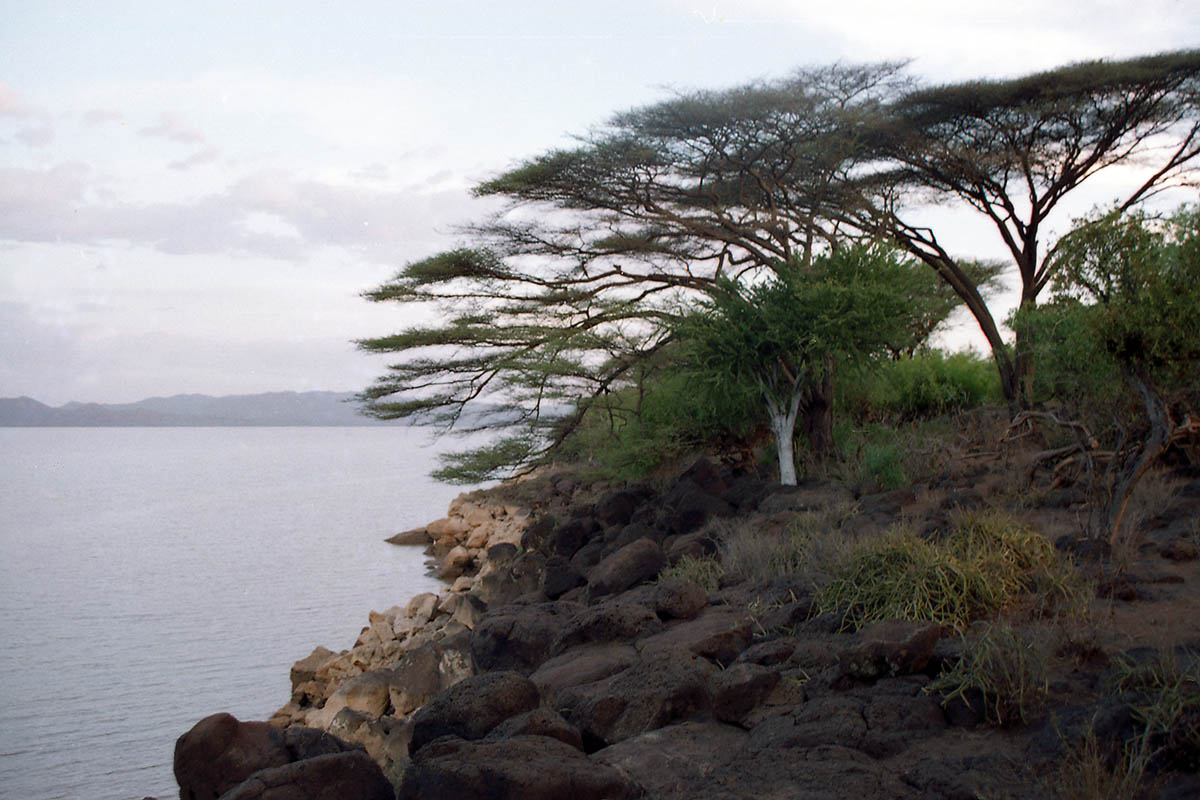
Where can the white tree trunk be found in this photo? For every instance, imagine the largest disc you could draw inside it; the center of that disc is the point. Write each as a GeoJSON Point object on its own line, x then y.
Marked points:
{"type": "Point", "coordinates": [783, 425]}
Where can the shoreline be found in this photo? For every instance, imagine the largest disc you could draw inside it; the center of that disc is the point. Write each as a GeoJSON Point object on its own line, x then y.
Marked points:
{"type": "Point", "coordinates": [579, 651]}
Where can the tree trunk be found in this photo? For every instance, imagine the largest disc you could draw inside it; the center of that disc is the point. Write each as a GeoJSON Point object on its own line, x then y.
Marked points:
{"type": "Point", "coordinates": [1151, 449]}
{"type": "Point", "coordinates": [818, 415]}
{"type": "Point", "coordinates": [783, 426]}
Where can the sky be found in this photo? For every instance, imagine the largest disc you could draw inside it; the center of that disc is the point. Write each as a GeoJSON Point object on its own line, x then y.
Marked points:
{"type": "Point", "coordinates": [193, 196]}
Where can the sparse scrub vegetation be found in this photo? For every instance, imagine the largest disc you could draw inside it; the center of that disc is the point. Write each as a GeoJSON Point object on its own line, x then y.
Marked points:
{"type": "Point", "coordinates": [1002, 667]}
{"type": "Point", "coordinates": [705, 572]}
{"type": "Point", "coordinates": [987, 563]}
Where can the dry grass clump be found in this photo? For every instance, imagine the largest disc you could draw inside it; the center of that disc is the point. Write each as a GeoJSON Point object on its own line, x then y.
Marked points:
{"type": "Point", "coordinates": [987, 562]}
{"type": "Point", "coordinates": [1001, 666]}
{"type": "Point", "coordinates": [1093, 772]}
{"type": "Point", "coordinates": [810, 546]}
{"type": "Point", "coordinates": [706, 572]}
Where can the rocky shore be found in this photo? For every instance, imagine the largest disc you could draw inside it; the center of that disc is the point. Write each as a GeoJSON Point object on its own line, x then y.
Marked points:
{"type": "Point", "coordinates": [571, 656]}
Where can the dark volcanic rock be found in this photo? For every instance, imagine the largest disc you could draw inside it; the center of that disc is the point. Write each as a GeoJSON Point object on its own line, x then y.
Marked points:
{"type": "Point", "coordinates": [328, 777]}
{"type": "Point", "coordinates": [613, 621]}
{"type": "Point", "coordinates": [472, 707]}
{"type": "Point", "coordinates": [559, 577]}
{"type": "Point", "coordinates": [718, 634]}
{"type": "Point", "coordinates": [654, 692]}
{"type": "Point", "coordinates": [896, 647]}
{"type": "Point", "coordinates": [519, 637]}
{"type": "Point", "coordinates": [736, 690]}
{"type": "Point", "coordinates": [679, 598]}
{"type": "Point", "coordinates": [633, 564]}
{"type": "Point", "coordinates": [520, 768]}
{"type": "Point", "coordinates": [539, 722]}
{"type": "Point", "coordinates": [572, 535]}
{"type": "Point", "coordinates": [582, 665]}
{"type": "Point", "coordinates": [219, 752]}
{"type": "Point", "coordinates": [666, 762]}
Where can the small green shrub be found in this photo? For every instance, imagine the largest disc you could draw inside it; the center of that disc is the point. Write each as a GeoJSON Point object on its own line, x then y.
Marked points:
{"type": "Point", "coordinates": [1163, 693]}
{"type": "Point", "coordinates": [987, 562]}
{"type": "Point", "coordinates": [884, 463]}
{"type": "Point", "coordinates": [1002, 666]}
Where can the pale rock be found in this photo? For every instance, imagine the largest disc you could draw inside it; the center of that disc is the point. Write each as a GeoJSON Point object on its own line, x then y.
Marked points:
{"type": "Point", "coordinates": [463, 583]}
{"type": "Point", "coordinates": [448, 528]}
{"type": "Point", "coordinates": [422, 607]}
{"type": "Point", "coordinates": [403, 626]}
{"type": "Point", "coordinates": [478, 537]}
{"type": "Point", "coordinates": [476, 515]}
{"type": "Point", "coordinates": [454, 563]}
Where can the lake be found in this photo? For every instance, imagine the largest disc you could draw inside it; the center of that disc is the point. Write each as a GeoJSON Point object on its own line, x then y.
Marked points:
{"type": "Point", "coordinates": [152, 576]}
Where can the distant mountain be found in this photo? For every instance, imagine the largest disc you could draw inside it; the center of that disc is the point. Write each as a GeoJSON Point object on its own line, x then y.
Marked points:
{"type": "Point", "coordinates": [192, 410]}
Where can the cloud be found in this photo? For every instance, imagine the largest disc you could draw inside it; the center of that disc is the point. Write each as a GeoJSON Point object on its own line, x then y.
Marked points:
{"type": "Point", "coordinates": [101, 116]}
{"type": "Point", "coordinates": [13, 106]}
{"type": "Point", "coordinates": [38, 136]}
{"type": "Point", "coordinates": [57, 205]}
{"type": "Point", "coordinates": [205, 156]}
{"type": "Point", "coordinates": [170, 126]}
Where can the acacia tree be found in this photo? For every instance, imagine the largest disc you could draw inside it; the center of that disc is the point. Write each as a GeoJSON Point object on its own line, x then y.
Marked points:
{"type": "Point", "coordinates": [784, 335]}
{"type": "Point", "coordinates": [1013, 150]}
{"type": "Point", "coordinates": [707, 185]}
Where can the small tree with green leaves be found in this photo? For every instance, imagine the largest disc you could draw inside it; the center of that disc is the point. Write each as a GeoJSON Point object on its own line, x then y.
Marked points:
{"type": "Point", "coordinates": [1126, 310]}
{"type": "Point", "coordinates": [785, 334]}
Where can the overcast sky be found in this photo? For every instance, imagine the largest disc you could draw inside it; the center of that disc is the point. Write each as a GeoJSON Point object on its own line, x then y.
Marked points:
{"type": "Point", "coordinates": [193, 195]}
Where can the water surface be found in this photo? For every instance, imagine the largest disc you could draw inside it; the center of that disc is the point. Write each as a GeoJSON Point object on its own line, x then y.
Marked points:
{"type": "Point", "coordinates": [152, 576]}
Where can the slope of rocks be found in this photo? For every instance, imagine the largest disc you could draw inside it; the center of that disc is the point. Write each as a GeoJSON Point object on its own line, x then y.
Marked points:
{"type": "Point", "coordinates": [556, 664]}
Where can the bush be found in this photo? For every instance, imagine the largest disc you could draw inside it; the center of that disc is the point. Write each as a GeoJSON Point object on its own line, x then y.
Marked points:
{"type": "Point", "coordinates": [986, 564]}
{"type": "Point", "coordinates": [1002, 667]}
{"type": "Point", "coordinates": [1163, 692]}
{"type": "Point", "coordinates": [629, 433]}
{"type": "Point", "coordinates": [928, 384]}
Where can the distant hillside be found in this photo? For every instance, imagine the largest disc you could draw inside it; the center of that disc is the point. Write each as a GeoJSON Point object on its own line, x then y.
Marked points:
{"type": "Point", "coordinates": [187, 410]}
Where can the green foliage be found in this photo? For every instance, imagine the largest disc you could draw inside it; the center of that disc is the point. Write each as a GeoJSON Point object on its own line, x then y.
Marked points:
{"type": "Point", "coordinates": [630, 433]}
{"type": "Point", "coordinates": [1127, 295]}
{"type": "Point", "coordinates": [927, 384]}
{"type": "Point", "coordinates": [885, 463]}
{"type": "Point", "coordinates": [482, 463]}
{"type": "Point", "coordinates": [986, 564]}
{"type": "Point", "coordinates": [999, 664]}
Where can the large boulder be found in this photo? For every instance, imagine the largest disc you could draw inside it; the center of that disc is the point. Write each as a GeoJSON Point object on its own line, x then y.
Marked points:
{"type": "Point", "coordinates": [582, 665]}
{"type": "Point", "coordinates": [735, 691]}
{"type": "Point", "coordinates": [366, 693]}
{"type": "Point", "coordinates": [894, 647]}
{"type": "Point", "coordinates": [329, 777]}
{"type": "Point", "coordinates": [519, 768]}
{"type": "Point", "coordinates": [519, 637]}
{"type": "Point", "coordinates": [633, 564]}
{"type": "Point", "coordinates": [616, 620]}
{"type": "Point", "coordinates": [720, 633]}
{"type": "Point", "coordinates": [679, 598]}
{"type": "Point", "coordinates": [559, 577]}
{"type": "Point", "coordinates": [664, 688]}
{"type": "Point", "coordinates": [219, 752]}
{"type": "Point", "coordinates": [666, 762]}
{"type": "Point", "coordinates": [472, 707]}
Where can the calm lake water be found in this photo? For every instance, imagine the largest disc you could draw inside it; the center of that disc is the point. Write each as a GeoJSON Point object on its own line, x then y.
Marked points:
{"type": "Point", "coordinates": [152, 576]}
